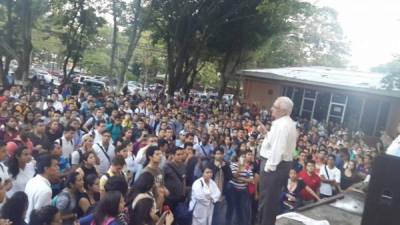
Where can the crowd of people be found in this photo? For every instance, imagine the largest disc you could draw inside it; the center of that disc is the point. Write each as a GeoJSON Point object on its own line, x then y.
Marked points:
{"type": "Point", "coordinates": [144, 160]}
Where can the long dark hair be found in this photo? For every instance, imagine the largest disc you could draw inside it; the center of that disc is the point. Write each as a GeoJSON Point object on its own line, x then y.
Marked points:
{"type": "Point", "coordinates": [15, 207]}
{"type": "Point", "coordinates": [141, 213]}
{"type": "Point", "coordinates": [144, 184]}
{"type": "Point", "coordinates": [107, 207]}
{"type": "Point", "coordinates": [43, 216]}
{"type": "Point", "coordinates": [13, 165]}
{"type": "Point", "coordinates": [71, 179]}
{"type": "Point", "coordinates": [85, 157]}
{"type": "Point", "coordinates": [90, 180]}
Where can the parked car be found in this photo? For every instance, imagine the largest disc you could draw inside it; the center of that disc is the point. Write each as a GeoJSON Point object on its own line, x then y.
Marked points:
{"type": "Point", "coordinates": [44, 75]}
{"type": "Point", "coordinates": [95, 87]}
{"type": "Point", "coordinates": [80, 78]}
{"type": "Point", "coordinates": [133, 86]}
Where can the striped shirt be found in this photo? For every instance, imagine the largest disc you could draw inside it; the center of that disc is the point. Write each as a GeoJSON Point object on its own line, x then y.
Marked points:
{"type": "Point", "coordinates": [245, 172]}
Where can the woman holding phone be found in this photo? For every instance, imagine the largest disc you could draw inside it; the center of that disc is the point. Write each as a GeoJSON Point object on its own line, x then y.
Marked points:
{"type": "Point", "coordinates": [145, 214]}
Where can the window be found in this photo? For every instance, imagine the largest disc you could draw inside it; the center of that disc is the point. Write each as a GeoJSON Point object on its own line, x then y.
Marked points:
{"type": "Point", "coordinates": [308, 105]}
{"type": "Point", "coordinates": [339, 98]}
{"type": "Point", "coordinates": [353, 112]}
{"type": "Point", "coordinates": [369, 116]}
{"type": "Point", "coordinates": [297, 98]}
{"type": "Point", "coordinates": [306, 114]}
{"type": "Point", "coordinates": [337, 110]}
{"type": "Point", "coordinates": [310, 93]}
{"type": "Point", "coordinates": [322, 106]}
{"type": "Point", "coordinates": [288, 92]}
{"type": "Point", "coordinates": [382, 118]}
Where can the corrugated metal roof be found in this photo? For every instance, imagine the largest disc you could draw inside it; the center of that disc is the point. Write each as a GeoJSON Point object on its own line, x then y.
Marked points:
{"type": "Point", "coordinates": [327, 77]}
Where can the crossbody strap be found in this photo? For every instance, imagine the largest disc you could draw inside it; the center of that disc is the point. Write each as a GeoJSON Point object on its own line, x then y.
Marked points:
{"type": "Point", "coordinates": [327, 174]}
{"type": "Point", "coordinates": [105, 153]}
{"type": "Point", "coordinates": [204, 151]}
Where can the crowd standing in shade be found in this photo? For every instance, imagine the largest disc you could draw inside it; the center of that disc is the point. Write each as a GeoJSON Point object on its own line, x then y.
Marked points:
{"type": "Point", "coordinates": [145, 160]}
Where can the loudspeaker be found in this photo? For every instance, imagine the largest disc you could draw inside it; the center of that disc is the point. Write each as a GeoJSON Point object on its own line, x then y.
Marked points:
{"type": "Point", "coordinates": [382, 206]}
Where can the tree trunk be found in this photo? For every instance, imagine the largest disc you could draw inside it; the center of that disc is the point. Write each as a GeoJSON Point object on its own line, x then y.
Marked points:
{"type": "Point", "coordinates": [237, 89]}
{"type": "Point", "coordinates": [24, 64]}
{"type": "Point", "coordinates": [228, 67]}
{"type": "Point", "coordinates": [114, 39]}
{"type": "Point", "coordinates": [222, 87]}
{"type": "Point", "coordinates": [133, 40]}
{"type": "Point", "coordinates": [64, 67]}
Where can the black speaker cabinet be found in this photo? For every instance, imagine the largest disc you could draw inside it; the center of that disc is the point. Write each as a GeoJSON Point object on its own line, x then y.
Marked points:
{"type": "Point", "coordinates": [382, 206]}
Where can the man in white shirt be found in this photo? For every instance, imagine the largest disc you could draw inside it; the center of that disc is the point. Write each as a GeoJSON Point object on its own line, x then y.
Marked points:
{"type": "Point", "coordinates": [394, 147]}
{"type": "Point", "coordinates": [97, 133]}
{"type": "Point", "coordinates": [67, 143]}
{"type": "Point", "coordinates": [105, 151]}
{"type": "Point", "coordinates": [330, 178]}
{"type": "Point", "coordinates": [38, 188]}
{"type": "Point", "coordinates": [276, 158]}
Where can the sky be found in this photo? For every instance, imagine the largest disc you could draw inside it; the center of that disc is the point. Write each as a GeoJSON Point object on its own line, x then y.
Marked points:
{"type": "Point", "coordinates": [372, 28]}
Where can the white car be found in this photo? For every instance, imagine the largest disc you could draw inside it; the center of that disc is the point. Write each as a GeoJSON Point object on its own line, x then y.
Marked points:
{"type": "Point", "coordinates": [45, 76]}
{"type": "Point", "coordinates": [133, 86]}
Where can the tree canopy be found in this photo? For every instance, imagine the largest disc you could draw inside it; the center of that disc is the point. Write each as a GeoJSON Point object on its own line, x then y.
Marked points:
{"type": "Point", "coordinates": [202, 41]}
{"type": "Point", "coordinates": [392, 71]}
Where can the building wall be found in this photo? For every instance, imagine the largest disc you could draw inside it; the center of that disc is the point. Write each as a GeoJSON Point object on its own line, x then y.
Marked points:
{"type": "Point", "coordinates": [260, 92]}
{"type": "Point", "coordinates": [263, 92]}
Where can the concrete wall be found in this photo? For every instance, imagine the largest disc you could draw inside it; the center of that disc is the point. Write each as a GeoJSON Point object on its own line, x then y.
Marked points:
{"type": "Point", "coordinates": [260, 92]}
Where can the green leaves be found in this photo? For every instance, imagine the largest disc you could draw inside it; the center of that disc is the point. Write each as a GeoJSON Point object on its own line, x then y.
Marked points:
{"type": "Point", "coordinates": [392, 69]}
{"type": "Point", "coordinates": [315, 39]}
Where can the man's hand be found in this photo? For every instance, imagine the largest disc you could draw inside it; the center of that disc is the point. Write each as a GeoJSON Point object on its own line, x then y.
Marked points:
{"type": "Point", "coordinates": [8, 184]}
{"type": "Point", "coordinates": [5, 222]}
{"type": "Point", "coordinates": [261, 128]}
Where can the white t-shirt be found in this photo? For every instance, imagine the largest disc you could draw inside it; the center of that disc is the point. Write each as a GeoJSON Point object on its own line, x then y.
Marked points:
{"type": "Point", "coordinates": [67, 147]}
{"type": "Point", "coordinates": [131, 165]}
{"type": "Point", "coordinates": [76, 156]}
{"type": "Point", "coordinates": [333, 174]}
{"type": "Point", "coordinates": [105, 160]}
{"type": "Point", "coordinates": [24, 175]}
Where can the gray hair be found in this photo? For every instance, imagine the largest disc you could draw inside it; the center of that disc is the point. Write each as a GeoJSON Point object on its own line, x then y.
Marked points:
{"type": "Point", "coordinates": [285, 104]}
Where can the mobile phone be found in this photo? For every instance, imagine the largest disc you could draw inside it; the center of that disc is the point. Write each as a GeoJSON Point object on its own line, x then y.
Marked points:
{"type": "Point", "coordinates": [161, 221]}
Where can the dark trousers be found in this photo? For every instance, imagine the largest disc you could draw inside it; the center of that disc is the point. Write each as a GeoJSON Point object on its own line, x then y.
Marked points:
{"type": "Point", "coordinates": [242, 207]}
{"type": "Point", "coordinates": [219, 215]}
{"type": "Point", "coordinates": [271, 185]}
{"type": "Point", "coordinates": [238, 206]}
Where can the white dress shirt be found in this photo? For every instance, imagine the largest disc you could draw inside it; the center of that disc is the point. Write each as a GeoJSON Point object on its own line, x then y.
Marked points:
{"type": "Point", "coordinates": [105, 161]}
{"type": "Point", "coordinates": [394, 148]}
{"type": "Point", "coordinates": [279, 143]}
{"type": "Point", "coordinates": [39, 193]}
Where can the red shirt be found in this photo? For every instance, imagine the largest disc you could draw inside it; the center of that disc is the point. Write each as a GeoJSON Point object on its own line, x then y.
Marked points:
{"type": "Point", "coordinates": [313, 181]}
